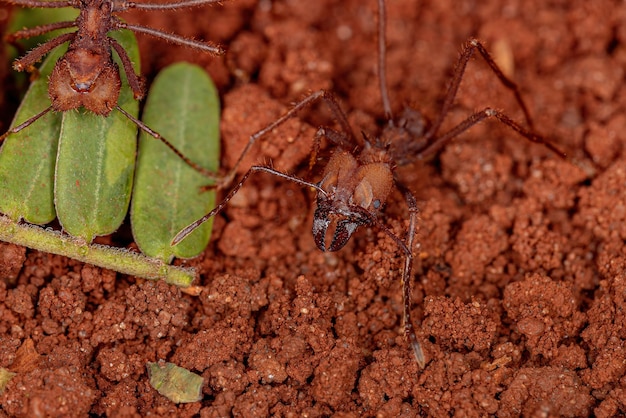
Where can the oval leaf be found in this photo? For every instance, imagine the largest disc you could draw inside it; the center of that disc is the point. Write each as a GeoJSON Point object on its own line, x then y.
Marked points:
{"type": "Point", "coordinates": [183, 106]}
{"type": "Point", "coordinates": [27, 158]}
{"type": "Point", "coordinates": [96, 161]}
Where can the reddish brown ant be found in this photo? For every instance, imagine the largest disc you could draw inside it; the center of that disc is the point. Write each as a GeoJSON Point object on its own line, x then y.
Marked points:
{"type": "Point", "coordinates": [86, 74]}
{"type": "Point", "coordinates": [359, 176]}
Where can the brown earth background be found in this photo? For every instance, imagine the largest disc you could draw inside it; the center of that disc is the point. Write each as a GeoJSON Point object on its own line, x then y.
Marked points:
{"type": "Point", "coordinates": [519, 282]}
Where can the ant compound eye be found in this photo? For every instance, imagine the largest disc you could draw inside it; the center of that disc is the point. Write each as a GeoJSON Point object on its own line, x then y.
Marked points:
{"type": "Point", "coordinates": [376, 204]}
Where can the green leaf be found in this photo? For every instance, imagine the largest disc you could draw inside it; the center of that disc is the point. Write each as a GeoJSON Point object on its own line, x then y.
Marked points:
{"type": "Point", "coordinates": [27, 158]}
{"type": "Point", "coordinates": [96, 160]}
{"type": "Point", "coordinates": [175, 383]}
{"type": "Point", "coordinates": [183, 106]}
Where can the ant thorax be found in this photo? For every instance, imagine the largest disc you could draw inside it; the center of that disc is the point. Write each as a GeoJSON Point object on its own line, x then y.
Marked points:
{"type": "Point", "coordinates": [90, 21]}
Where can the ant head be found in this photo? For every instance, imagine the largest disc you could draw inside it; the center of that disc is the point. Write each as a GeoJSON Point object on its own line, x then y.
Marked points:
{"type": "Point", "coordinates": [354, 193]}
{"type": "Point", "coordinates": [84, 78]}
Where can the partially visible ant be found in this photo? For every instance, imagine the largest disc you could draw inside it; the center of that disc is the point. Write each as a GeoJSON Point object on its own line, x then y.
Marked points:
{"type": "Point", "coordinates": [359, 176]}
{"type": "Point", "coordinates": [86, 74]}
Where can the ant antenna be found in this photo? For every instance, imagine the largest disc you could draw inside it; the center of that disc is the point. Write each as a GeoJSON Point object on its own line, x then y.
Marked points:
{"type": "Point", "coordinates": [256, 168]}
{"type": "Point", "coordinates": [382, 65]}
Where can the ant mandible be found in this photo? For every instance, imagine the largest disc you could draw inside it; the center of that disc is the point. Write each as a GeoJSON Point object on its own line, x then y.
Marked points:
{"type": "Point", "coordinates": [359, 176]}
{"type": "Point", "coordinates": [86, 74]}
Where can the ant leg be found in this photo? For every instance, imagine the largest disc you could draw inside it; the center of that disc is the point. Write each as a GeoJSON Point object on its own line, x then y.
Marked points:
{"type": "Point", "coordinates": [407, 247]}
{"type": "Point", "coordinates": [382, 61]}
{"type": "Point", "coordinates": [340, 116]}
{"type": "Point", "coordinates": [164, 6]}
{"type": "Point", "coordinates": [338, 138]}
{"type": "Point", "coordinates": [332, 103]}
{"type": "Point", "coordinates": [12, 38]}
{"type": "Point", "coordinates": [409, 331]}
{"type": "Point", "coordinates": [170, 37]}
{"type": "Point", "coordinates": [191, 227]}
{"type": "Point", "coordinates": [477, 117]}
{"type": "Point", "coordinates": [459, 70]}
{"type": "Point", "coordinates": [38, 30]}
{"type": "Point", "coordinates": [506, 82]}
{"type": "Point", "coordinates": [36, 53]}
{"type": "Point", "coordinates": [156, 135]}
{"type": "Point", "coordinates": [42, 4]}
{"type": "Point", "coordinates": [25, 124]}
{"type": "Point", "coordinates": [134, 81]}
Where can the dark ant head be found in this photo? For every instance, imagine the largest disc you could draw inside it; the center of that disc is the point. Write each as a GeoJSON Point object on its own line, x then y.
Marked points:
{"type": "Point", "coordinates": [355, 190]}
{"type": "Point", "coordinates": [86, 75]}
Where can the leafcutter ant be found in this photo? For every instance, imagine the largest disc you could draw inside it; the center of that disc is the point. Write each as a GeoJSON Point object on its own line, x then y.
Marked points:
{"type": "Point", "coordinates": [360, 176]}
{"type": "Point", "coordinates": [86, 74]}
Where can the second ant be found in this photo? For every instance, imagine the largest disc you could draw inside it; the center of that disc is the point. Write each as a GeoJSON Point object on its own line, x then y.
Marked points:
{"type": "Point", "coordinates": [86, 75]}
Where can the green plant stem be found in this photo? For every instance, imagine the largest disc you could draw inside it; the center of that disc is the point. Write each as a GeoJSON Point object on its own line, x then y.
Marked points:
{"type": "Point", "coordinates": [120, 260]}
